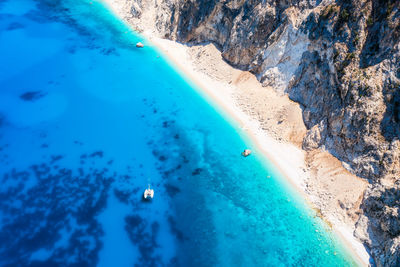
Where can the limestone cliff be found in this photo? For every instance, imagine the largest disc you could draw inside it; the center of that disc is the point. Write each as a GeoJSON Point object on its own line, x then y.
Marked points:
{"type": "Point", "coordinates": [338, 59]}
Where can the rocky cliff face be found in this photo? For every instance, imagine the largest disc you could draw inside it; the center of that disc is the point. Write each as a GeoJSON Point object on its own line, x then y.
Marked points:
{"type": "Point", "coordinates": [381, 225]}
{"type": "Point", "coordinates": [339, 59]}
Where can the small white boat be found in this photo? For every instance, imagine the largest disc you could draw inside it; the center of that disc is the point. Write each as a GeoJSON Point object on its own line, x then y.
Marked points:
{"type": "Point", "coordinates": [139, 45]}
{"type": "Point", "coordinates": [148, 193]}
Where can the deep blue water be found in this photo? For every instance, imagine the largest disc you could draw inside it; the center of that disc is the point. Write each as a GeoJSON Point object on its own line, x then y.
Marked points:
{"type": "Point", "coordinates": [87, 120]}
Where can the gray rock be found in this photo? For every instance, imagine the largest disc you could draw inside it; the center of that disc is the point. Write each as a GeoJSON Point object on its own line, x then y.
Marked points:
{"type": "Point", "coordinates": [315, 137]}
{"type": "Point", "coordinates": [381, 206]}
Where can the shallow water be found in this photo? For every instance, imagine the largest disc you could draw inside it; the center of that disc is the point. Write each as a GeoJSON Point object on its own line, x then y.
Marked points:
{"type": "Point", "coordinates": [87, 120]}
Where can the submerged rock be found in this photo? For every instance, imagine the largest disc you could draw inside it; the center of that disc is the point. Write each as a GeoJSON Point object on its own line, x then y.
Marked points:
{"type": "Point", "coordinates": [32, 95]}
{"type": "Point", "coordinates": [246, 152]}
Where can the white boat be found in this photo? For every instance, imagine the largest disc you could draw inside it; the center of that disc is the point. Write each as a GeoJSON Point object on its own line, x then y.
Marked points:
{"type": "Point", "coordinates": [148, 193]}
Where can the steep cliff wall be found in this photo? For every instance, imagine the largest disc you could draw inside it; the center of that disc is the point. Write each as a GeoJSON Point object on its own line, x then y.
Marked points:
{"type": "Point", "coordinates": [339, 59]}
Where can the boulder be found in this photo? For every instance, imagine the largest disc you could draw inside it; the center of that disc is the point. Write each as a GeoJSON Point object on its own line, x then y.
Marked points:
{"type": "Point", "coordinates": [246, 152]}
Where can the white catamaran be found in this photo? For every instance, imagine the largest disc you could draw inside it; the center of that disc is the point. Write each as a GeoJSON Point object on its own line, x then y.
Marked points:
{"type": "Point", "coordinates": [148, 193]}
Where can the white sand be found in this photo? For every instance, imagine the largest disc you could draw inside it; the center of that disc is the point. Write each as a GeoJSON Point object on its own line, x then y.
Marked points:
{"type": "Point", "coordinates": [275, 125]}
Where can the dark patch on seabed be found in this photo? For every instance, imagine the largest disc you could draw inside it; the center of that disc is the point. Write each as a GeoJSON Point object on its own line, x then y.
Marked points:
{"type": "Point", "coordinates": [15, 26]}
{"type": "Point", "coordinates": [54, 208]}
{"type": "Point", "coordinates": [145, 238]}
{"type": "Point", "coordinates": [124, 195]}
{"type": "Point", "coordinates": [2, 120]}
{"type": "Point", "coordinates": [171, 190]}
{"type": "Point", "coordinates": [176, 164]}
{"type": "Point", "coordinates": [32, 95]}
{"type": "Point", "coordinates": [35, 216]}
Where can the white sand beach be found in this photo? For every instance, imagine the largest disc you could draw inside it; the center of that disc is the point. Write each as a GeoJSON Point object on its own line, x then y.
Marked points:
{"type": "Point", "coordinates": [275, 125]}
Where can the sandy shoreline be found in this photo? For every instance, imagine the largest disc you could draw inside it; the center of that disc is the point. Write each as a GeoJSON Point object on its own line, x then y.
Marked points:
{"type": "Point", "coordinates": [276, 131]}
{"type": "Point", "coordinates": [288, 159]}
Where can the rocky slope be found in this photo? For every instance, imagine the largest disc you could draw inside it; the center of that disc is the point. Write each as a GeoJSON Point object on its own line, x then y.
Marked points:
{"type": "Point", "coordinates": [338, 59]}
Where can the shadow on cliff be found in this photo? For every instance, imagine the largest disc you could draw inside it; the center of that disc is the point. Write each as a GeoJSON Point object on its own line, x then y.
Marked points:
{"type": "Point", "coordinates": [312, 85]}
{"type": "Point", "coordinates": [390, 124]}
{"type": "Point", "coordinates": [381, 37]}
{"type": "Point", "coordinates": [381, 206]}
{"type": "Point", "coordinates": [218, 47]}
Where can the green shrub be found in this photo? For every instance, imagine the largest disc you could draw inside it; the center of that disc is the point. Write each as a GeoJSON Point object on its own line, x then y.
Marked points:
{"type": "Point", "coordinates": [350, 56]}
{"type": "Point", "coordinates": [328, 11]}
{"type": "Point", "coordinates": [370, 21]}
{"type": "Point", "coordinates": [356, 39]}
{"type": "Point", "coordinates": [389, 10]}
{"type": "Point", "coordinates": [335, 55]}
{"type": "Point", "coordinates": [344, 15]}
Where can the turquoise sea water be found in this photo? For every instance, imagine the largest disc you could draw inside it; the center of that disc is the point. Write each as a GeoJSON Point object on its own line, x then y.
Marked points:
{"type": "Point", "coordinates": [87, 120]}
